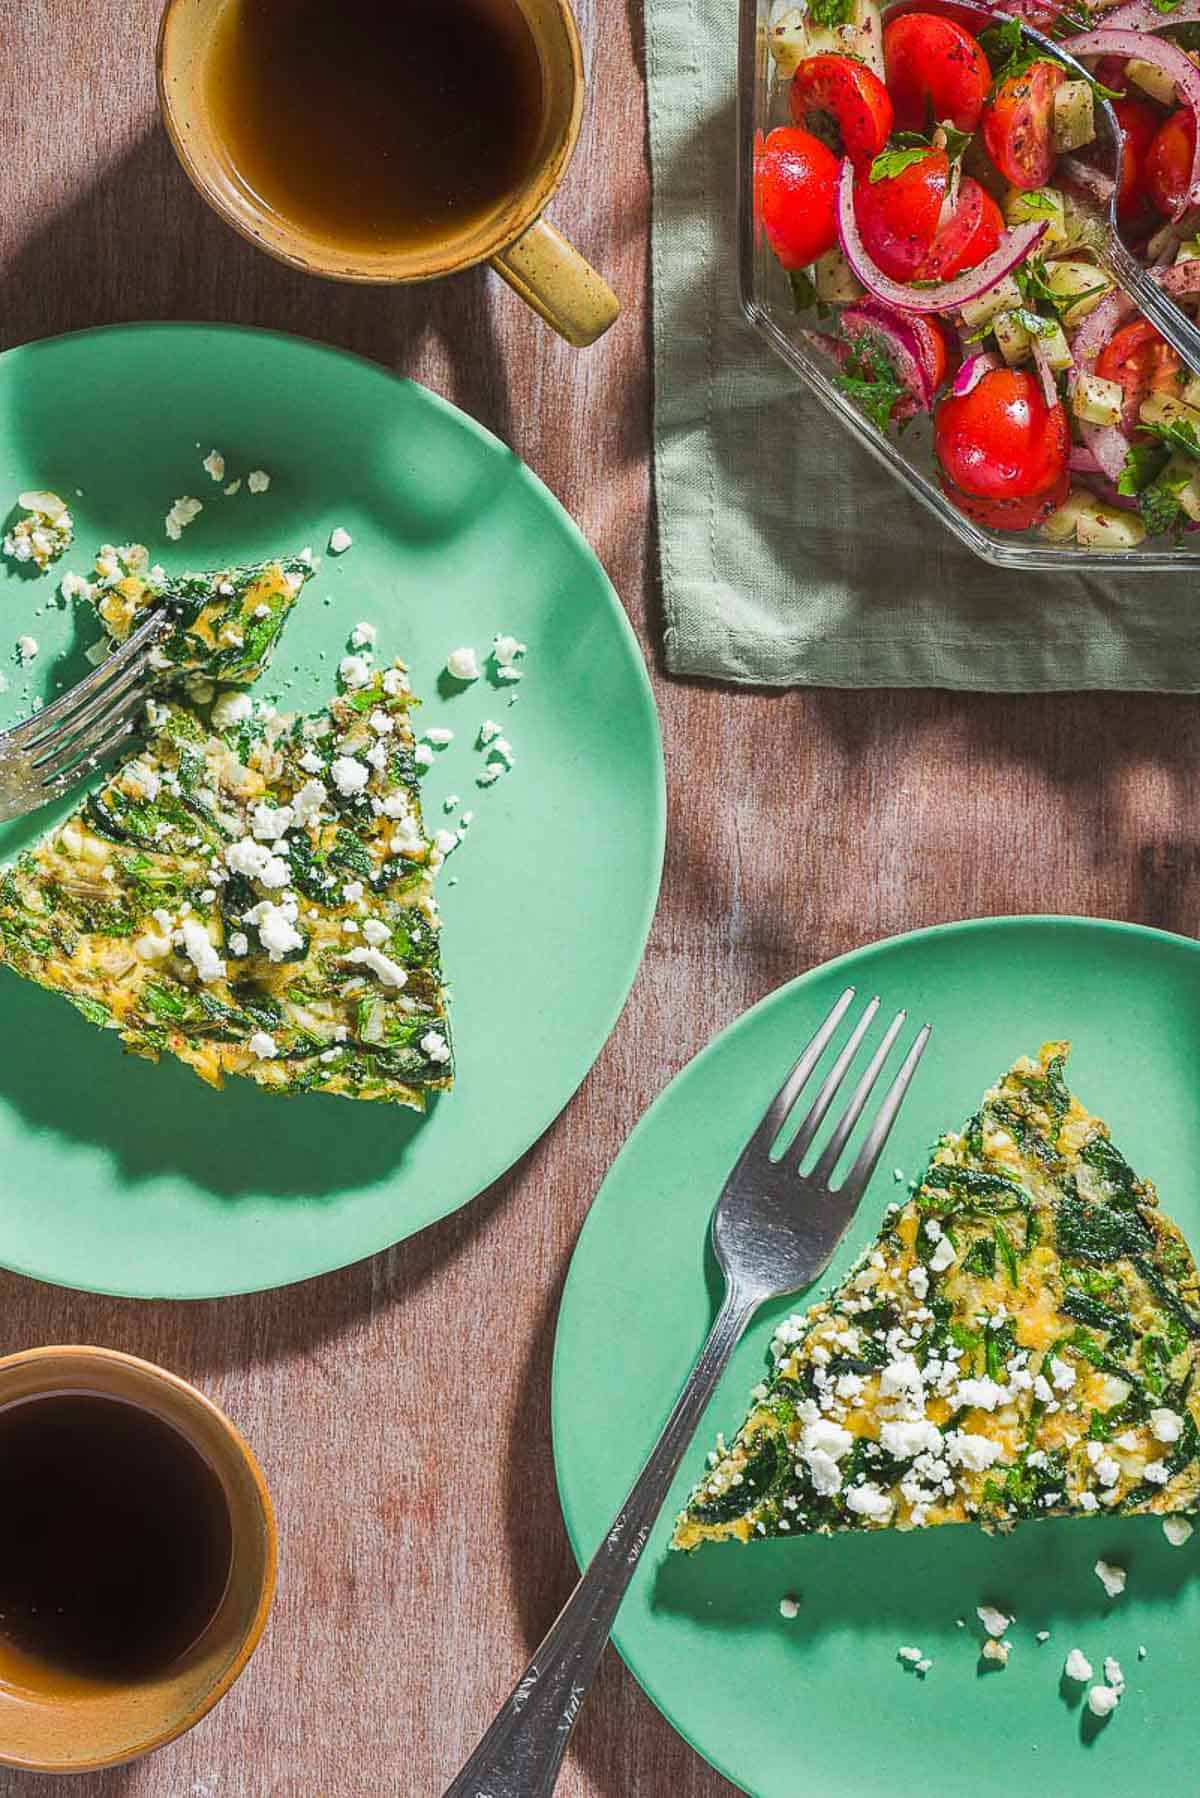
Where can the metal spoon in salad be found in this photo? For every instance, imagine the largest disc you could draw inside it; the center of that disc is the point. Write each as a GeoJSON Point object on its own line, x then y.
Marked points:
{"type": "Point", "coordinates": [1150, 297]}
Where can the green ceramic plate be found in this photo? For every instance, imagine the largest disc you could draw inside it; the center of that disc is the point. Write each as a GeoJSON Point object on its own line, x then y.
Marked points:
{"type": "Point", "coordinates": [124, 1177]}
{"type": "Point", "coordinates": [821, 1705]}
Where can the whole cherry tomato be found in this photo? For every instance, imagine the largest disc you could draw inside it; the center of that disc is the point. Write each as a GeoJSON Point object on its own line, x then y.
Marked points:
{"type": "Point", "coordinates": [1140, 362]}
{"type": "Point", "coordinates": [936, 72]}
{"type": "Point", "coordinates": [1139, 126]}
{"type": "Point", "coordinates": [1018, 125]}
{"type": "Point", "coordinates": [1001, 441]}
{"type": "Point", "coordinates": [1169, 162]}
{"type": "Point", "coordinates": [845, 90]}
{"type": "Point", "coordinates": [968, 236]}
{"type": "Point", "coordinates": [795, 184]}
{"type": "Point", "coordinates": [898, 214]}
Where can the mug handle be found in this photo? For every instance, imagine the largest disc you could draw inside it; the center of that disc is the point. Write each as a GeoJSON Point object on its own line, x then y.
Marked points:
{"type": "Point", "coordinates": [551, 276]}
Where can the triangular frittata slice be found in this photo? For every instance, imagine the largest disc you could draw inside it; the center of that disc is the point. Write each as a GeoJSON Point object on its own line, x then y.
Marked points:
{"type": "Point", "coordinates": [1020, 1341]}
{"type": "Point", "coordinates": [253, 894]}
{"type": "Point", "coordinates": [227, 621]}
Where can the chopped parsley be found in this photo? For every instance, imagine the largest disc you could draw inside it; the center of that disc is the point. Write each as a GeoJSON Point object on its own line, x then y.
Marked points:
{"type": "Point", "coordinates": [830, 12]}
{"type": "Point", "coordinates": [894, 162]}
{"type": "Point", "coordinates": [870, 381]}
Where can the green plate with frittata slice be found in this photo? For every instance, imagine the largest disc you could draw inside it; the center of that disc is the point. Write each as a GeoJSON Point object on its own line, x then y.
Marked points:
{"type": "Point", "coordinates": [840, 1647]}
{"type": "Point", "coordinates": [504, 808]}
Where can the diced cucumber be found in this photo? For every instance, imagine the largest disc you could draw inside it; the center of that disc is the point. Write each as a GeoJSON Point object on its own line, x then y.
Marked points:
{"type": "Point", "coordinates": [1152, 80]}
{"type": "Point", "coordinates": [1098, 401]}
{"type": "Point", "coordinates": [1185, 471]}
{"type": "Point", "coordinates": [1074, 116]}
{"type": "Point", "coordinates": [1005, 296]}
{"type": "Point", "coordinates": [787, 40]}
{"type": "Point", "coordinates": [1189, 251]}
{"type": "Point", "coordinates": [1072, 276]}
{"type": "Point", "coordinates": [1060, 526]}
{"type": "Point", "coordinates": [1056, 350]}
{"type": "Point", "coordinates": [1108, 530]}
{"type": "Point", "coordinates": [1161, 409]}
{"type": "Point", "coordinates": [1043, 204]}
{"type": "Point", "coordinates": [862, 37]}
{"type": "Point", "coordinates": [1012, 339]}
{"type": "Point", "coordinates": [834, 279]}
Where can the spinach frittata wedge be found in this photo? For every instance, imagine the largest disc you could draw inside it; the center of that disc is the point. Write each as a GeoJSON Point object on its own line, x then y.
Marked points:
{"type": "Point", "coordinates": [252, 894]}
{"type": "Point", "coordinates": [1020, 1341]}
{"type": "Point", "coordinates": [227, 621]}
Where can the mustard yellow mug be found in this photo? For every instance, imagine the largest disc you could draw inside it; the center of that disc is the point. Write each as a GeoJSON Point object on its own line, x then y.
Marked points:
{"type": "Point", "coordinates": [509, 232]}
{"type": "Point", "coordinates": [139, 1562]}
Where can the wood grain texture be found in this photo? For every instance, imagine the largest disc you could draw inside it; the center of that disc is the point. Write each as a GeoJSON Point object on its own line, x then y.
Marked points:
{"type": "Point", "coordinates": [417, 1573]}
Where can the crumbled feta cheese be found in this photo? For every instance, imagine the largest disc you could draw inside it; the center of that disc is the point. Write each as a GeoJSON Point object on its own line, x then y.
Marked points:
{"type": "Point", "coordinates": [27, 650]}
{"type": "Point", "coordinates": [976, 1453]}
{"type": "Point", "coordinates": [181, 515]}
{"type": "Point", "coordinates": [152, 948]}
{"type": "Point", "coordinates": [339, 540]}
{"type": "Point", "coordinates": [352, 892]}
{"type": "Point", "coordinates": [388, 972]}
{"type": "Point", "coordinates": [376, 932]}
{"type": "Point", "coordinates": [258, 480]}
{"type": "Point", "coordinates": [909, 1654]}
{"type": "Point", "coordinates": [260, 1045]}
{"type": "Point", "coordinates": [502, 747]}
{"type": "Point", "coordinates": [73, 586]}
{"type": "Point", "coordinates": [1176, 1530]}
{"type": "Point", "coordinates": [199, 950]}
{"type": "Point", "coordinates": [1143, 1651]}
{"type": "Point", "coordinates": [942, 1256]}
{"type": "Point", "coordinates": [395, 682]}
{"type": "Point", "coordinates": [1113, 1674]}
{"type": "Point", "coordinates": [307, 803]}
{"type": "Point", "coordinates": [997, 1651]}
{"type": "Point", "coordinates": [46, 531]}
{"type": "Point", "coordinates": [363, 636]}
{"type": "Point", "coordinates": [906, 1439]}
{"type": "Point", "coordinates": [462, 664]}
{"type": "Point", "coordinates": [232, 488]}
{"type": "Point", "coordinates": [789, 1607]}
{"type": "Point", "coordinates": [349, 776]}
{"type": "Point", "coordinates": [868, 1501]}
{"type": "Point", "coordinates": [1088, 1501]}
{"type": "Point", "coordinates": [214, 463]}
{"type": "Point", "coordinates": [270, 822]}
{"type": "Point", "coordinates": [276, 925]}
{"type": "Point", "coordinates": [918, 1279]}
{"type": "Point", "coordinates": [423, 756]}
{"type": "Point", "coordinates": [489, 730]}
{"type": "Point", "coordinates": [923, 1665]}
{"type": "Point", "coordinates": [354, 672]}
{"type": "Point", "coordinates": [231, 709]}
{"type": "Point", "coordinates": [381, 723]}
{"type": "Point", "coordinates": [505, 650]}
{"type": "Point", "coordinates": [983, 1394]}
{"type": "Point", "coordinates": [1157, 1472]}
{"type": "Point", "coordinates": [434, 1044]}
{"type": "Point", "coordinates": [1062, 1374]}
{"type": "Point", "coordinates": [239, 943]}
{"type": "Point", "coordinates": [993, 1621]}
{"type": "Point", "coordinates": [1077, 1666]}
{"type": "Point", "coordinates": [440, 736]}
{"type": "Point", "coordinates": [1102, 1701]}
{"type": "Point", "coordinates": [1043, 1635]}
{"type": "Point", "coordinates": [1107, 1471]}
{"type": "Point", "coordinates": [1111, 1578]}
{"type": "Point", "coordinates": [1166, 1425]}
{"type": "Point", "coordinates": [488, 775]}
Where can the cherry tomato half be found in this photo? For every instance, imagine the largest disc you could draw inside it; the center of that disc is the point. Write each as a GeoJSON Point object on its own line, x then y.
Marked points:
{"type": "Point", "coordinates": [1141, 362]}
{"type": "Point", "coordinates": [936, 72]}
{"type": "Point", "coordinates": [1139, 125]}
{"type": "Point", "coordinates": [932, 337]}
{"type": "Point", "coordinates": [898, 216]}
{"type": "Point", "coordinates": [845, 90]}
{"type": "Point", "coordinates": [795, 184]}
{"type": "Point", "coordinates": [1169, 162]}
{"type": "Point", "coordinates": [1001, 441]}
{"type": "Point", "coordinates": [1018, 125]}
{"type": "Point", "coordinates": [968, 236]}
{"type": "Point", "coordinates": [1011, 514]}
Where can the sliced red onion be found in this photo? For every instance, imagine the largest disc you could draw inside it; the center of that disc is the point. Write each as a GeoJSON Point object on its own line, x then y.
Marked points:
{"type": "Point", "coordinates": [1107, 444]}
{"type": "Point", "coordinates": [972, 372]}
{"type": "Point", "coordinates": [1142, 15]}
{"type": "Point", "coordinates": [1092, 183]}
{"type": "Point", "coordinates": [1181, 278]}
{"type": "Point", "coordinates": [1045, 374]}
{"type": "Point", "coordinates": [946, 296]}
{"type": "Point", "coordinates": [1082, 461]}
{"type": "Point", "coordinates": [1106, 491]}
{"type": "Point", "coordinates": [1164, 55]}
{"type": "Point", "coordinates": [904, 341]}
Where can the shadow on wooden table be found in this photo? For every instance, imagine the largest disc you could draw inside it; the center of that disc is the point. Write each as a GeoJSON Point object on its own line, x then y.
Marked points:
{"type": "Point", "coordinates": [204, 270]}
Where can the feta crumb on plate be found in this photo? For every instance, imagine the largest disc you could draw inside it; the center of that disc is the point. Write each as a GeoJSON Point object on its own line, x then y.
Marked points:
{"type": "Point", "coordinates": [258, 480]}
{"type": "Point", "coordinates": [1102, 1701]}
{"type": "Point", "coordinates": [1043, 1635]}
{"type": "Point", "coordinates": [909, 1654]}
{"type": "Point", "coordinates": [184, 510]}
{"type": "Point", "coordinates": [463, 664]}
{"type": "Point", "coordinates": [27, 649]}
{"type": "Point", "coordinates": [339, 540]}
{"type": "Point", "coordinates": [1111, 1578]}
{"type": "Point", "coordinates": [997, 1651]}
{"type": "Point", "coordinates": [363, 635]}
{"type": "Point", "coordinates": [994, 1622]}
{"type": "Point", "coordinates": [789, 1606]}
{"type": "Point", "coordinates": [440, 736]}
{"type": "Point", "coordinates": [46, 530]}
{"type": "Point", "coordinates": [260, 1045]}
{"type": "Point", "coordinates": [1077, 1666]}
{"type": "Point", "coordinates": [1176, 1530]}
{"type": "Point", "coordinates": [232, 488]}
{"type": "Point", "coordinates": [214, 465]}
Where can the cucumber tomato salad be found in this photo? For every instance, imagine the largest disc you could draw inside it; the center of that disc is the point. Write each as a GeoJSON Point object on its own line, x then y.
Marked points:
{"type": "Point", "coordinates": [939, 200]}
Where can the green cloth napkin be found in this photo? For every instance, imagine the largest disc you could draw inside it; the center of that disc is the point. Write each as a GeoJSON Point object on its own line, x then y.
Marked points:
{"type": "Point", "coordinates": [789, 557]}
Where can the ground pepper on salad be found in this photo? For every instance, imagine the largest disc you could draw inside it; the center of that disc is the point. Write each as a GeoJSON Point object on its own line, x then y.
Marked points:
{"type": "Point", "coordinates": [939, 201]}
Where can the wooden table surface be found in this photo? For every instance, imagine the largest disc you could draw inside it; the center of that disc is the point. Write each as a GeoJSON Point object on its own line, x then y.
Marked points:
{"type": "Point", "coordinates": [417, 1573]}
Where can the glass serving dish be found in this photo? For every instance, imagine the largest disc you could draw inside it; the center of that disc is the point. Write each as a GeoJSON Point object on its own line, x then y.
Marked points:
{"type": "Point", "coordinates": [767, 301]}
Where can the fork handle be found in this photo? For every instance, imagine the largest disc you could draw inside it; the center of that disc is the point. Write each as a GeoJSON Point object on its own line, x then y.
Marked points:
{"type": "Point", "coordinates": [1158, 306]}
{"type": "Point", "coordinates": [522, 1752]}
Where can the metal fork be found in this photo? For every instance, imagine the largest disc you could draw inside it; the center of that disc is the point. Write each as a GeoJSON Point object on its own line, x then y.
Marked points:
{"type": "Point", "coordinates": [774, 1230]}
{"type": "Point", "coordinates": [64, 742]}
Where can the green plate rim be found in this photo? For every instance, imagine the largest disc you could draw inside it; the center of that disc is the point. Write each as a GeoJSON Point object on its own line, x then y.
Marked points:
{"type": "Point", "coordinates": [864, 954]}
{"type": "Point", "coordinates": [657, 819]}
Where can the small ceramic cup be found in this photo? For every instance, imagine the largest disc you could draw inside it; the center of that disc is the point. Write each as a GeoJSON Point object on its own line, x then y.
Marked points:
{"type": "Point", "coordinates": [536, 261]}
{"type": "Point", "coordinates": [106, 1726]}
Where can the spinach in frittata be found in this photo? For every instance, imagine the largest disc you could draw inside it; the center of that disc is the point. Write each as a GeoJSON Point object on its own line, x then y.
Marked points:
{"type": "Point", "coordinates": [251, 893]}
{"type": "Point", "coordinates": [1019, 1342]}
